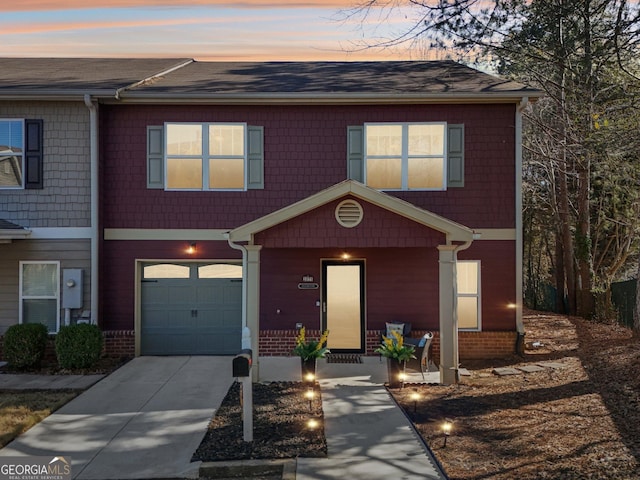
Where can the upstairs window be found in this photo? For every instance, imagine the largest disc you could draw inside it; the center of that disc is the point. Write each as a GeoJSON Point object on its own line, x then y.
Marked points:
{"type": "Point", "coordinates": [208, 156]}
{"type": "Point", "coordinates": [406, 156]}
{"type": "Point", "coordinates": [11, 154]}
{"type": "Point", "coordinates": [21, 154]}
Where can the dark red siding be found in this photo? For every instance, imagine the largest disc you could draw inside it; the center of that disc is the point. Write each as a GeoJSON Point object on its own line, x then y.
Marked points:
{"type": "Point", "coordinates": [379, 228]}
{"type": "Point", "coordinates": [401, 284]}
{"type": "Point", "coordinates": [498, 278]}
{"type": "Point", "coordinates": [305, 152]}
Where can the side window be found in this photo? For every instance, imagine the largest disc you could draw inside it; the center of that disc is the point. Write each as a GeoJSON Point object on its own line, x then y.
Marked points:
{"type": "Point", "coordinates": [406, 156]}
{"type": "Point", "coordinates": [208, 156]}
{"type": "Point", "coordinates": [40, 294]}
{"type": "Point", "coordinates": [469, 304]}
{"type": "Point", "coordinates": [21, 153]}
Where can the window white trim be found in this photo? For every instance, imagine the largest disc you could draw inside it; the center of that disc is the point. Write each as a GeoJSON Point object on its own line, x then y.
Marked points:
{"type": "Point", "coordinates": [56, 295]}
{"type": "Point", "coordinates": [477, 295]}
{"type": "Point", "coordinates": [206, 156]}
{"type": "Point", "coordinates": [405, 156]}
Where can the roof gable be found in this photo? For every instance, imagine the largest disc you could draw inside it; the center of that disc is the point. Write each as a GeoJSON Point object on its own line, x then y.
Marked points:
{"type": "Point", "coordinates": [454, 232]}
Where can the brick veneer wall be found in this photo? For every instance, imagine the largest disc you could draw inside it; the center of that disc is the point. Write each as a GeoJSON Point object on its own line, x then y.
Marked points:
{"type": "Point", "coordinates": [472, 345]}
{"type": "Point", "coordinates": [119, 343]}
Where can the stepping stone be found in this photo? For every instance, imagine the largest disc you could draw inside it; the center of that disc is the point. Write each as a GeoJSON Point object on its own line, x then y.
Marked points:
{"type": "Point", "coordinates": [506, 371]}
{"type": "Point", "coordinates": [464, 372]}
{"type": "Point", "coordinates": [552, 365]}
{"type": "Point", "coordinates": [531, 368]}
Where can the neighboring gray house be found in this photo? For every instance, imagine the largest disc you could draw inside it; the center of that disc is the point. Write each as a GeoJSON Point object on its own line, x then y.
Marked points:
{"type": "Point", "coordinates": [49, 182]}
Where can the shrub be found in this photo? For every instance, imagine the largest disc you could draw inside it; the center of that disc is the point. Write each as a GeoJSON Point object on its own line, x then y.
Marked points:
{"type": "Point", "coordinates": [78, 346]}
{"type": "Point", "coordinates": [24, 345]}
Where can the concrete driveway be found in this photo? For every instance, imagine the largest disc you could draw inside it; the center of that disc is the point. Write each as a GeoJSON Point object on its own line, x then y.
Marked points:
{"type": "Point", "coordinates": [143, 421]}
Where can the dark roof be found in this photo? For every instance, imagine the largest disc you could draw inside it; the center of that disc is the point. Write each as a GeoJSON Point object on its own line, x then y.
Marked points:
{"type": "Point", "coordinates": [380, 78]}
{"type": "Point", "coordinates": [73, 76]}
{"type": "Point", "coordinates": [158, 80]}
{"type": "Point", "coordinates": [7, 225]}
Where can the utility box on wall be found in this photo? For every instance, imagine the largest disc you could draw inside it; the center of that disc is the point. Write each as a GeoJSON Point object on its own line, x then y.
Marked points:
{"type": "Point", "coordinates": [72, 288]}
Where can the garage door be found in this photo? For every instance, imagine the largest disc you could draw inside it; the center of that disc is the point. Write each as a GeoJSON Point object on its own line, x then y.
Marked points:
{"type": "Point", "coordinates": [191, 309]}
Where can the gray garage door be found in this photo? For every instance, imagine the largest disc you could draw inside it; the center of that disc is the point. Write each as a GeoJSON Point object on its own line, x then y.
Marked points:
{"type": "Point", "coordinates": [191, 309]}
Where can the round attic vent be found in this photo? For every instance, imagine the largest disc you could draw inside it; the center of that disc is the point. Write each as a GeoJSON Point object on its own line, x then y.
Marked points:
{"type": "Point", "coordinates": [349, 213]}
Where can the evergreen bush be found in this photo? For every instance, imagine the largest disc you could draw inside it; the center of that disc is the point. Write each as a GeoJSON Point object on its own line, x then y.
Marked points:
{"type": "Point", "coordinates": [78, 346]}
{"type": "Point", "coordinates": [24, 345]}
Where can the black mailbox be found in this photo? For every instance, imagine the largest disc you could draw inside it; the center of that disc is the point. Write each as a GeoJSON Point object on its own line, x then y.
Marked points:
{"type": "Point", "coordinates": [241, 365]}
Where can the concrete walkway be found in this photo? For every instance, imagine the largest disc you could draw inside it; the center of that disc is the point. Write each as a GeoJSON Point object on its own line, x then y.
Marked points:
{"type": "Point", "coordinates": [146, 419]}
{"type": "Point", "coordinates": [368, 436]}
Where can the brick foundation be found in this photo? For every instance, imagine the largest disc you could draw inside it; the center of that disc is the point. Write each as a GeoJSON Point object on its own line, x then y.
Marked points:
{"type": "Point", "coordinates": [472, 345]}
{"type": "Point", "coordinates": [119, 343]}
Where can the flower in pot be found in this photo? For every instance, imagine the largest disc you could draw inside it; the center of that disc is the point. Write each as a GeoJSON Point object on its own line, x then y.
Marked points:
{"type": "Point", "coordinates": [397, 353]}
{"type": "Point", "coordinates": [309, 351]}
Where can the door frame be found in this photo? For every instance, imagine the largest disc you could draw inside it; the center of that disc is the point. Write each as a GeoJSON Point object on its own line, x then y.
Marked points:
{"type": "Point", "coordinates": [363, 314]}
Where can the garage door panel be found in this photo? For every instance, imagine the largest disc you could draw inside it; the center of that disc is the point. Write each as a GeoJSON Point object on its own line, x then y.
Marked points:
{"type": "Point", "coordinates": [191, 316]}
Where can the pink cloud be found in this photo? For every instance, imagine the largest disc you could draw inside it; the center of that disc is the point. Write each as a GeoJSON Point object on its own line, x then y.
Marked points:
{"type": "Point", "coordinates": [57, 27]}
{"type": "Point", "coordinates": [36, 5]}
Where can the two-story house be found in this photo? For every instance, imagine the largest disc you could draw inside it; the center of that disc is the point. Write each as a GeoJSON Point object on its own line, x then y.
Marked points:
{"type": "Point", "coordinates": [331, 195]}
{"type": "Point", "coordinates": [235, 202]}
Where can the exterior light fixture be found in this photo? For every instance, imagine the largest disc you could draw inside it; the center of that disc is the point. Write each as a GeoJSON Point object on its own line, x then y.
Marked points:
{"type": "Point", "coordinates": [511, 305]}
{"type": "Point", "coordinates": [345, 256]}
{"type": "Point", "coordinates": [312, 424]}
{"type": "Point", "coordinates": [447, 426]}
{"type": "Point", "coordinates": [310, 395]}
{"type": "Point", "coordinates": [415, 396]}
{"type": "Point", "coordinates": [310, 377]}
{"type": "Point", "coordinates": [192, 248]}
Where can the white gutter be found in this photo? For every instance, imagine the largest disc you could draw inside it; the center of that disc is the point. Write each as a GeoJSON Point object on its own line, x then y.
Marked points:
{"type": "Point", "coordinates": [93, 117]}
{"type": "Point", "coordinates": [519, 235]}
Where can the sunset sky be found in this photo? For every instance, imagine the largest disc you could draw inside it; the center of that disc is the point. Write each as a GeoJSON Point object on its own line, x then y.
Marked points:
{"type": "Point", "coordinates": [201, 29]}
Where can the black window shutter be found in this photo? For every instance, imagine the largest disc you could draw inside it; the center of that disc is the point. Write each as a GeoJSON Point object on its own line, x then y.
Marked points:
{"type": "Point", "coordinates": [33, 154]}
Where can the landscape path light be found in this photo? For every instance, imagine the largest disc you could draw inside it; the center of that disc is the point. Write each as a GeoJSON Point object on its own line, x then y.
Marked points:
{"type": "Point", "coordinates": [415, 396]}
{"type": "Point", "coordinates": [310, 394]}
{"type": "Point", "coordinates": [447, 427]}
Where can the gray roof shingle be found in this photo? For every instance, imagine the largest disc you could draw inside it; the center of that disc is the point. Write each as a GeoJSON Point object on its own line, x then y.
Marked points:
{"type": "Point", "coordinates": [60, 76]}
{"type": "Point", "coordinates": [414, 77]}
{"type": "Point", "coordinates": [145, 79]}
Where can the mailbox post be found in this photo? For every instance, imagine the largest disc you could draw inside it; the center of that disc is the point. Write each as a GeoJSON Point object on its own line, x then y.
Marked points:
{"type": "Point", "coordinates": [241, 369]}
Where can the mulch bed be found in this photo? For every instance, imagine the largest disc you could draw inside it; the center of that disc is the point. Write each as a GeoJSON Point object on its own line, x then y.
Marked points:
{"type": "Point", "coordinates": [580, 421]}
{"type": "Point", "coordinates": [280, 425]}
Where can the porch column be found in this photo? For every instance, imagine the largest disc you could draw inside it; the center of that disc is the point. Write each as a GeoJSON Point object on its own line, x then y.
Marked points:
{"type": "Point", "coordinates": [252, 306]}
{"type": "Point", "coordinates": [448, 314]}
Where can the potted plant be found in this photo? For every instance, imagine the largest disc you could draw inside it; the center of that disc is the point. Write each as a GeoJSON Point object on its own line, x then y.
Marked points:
{"type": "Point", "coordinates": [397, 353]}
{"type": "Point", "coordinates": [309, 351]}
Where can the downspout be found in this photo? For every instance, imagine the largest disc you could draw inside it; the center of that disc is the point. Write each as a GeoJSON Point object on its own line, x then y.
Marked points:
{"type": "Point", "coordinates": [246, 331]}
{"type": "Point", "coordinates": [449, 344]}
{"type": "Point", "coordinates": [519, 235]}
{"type": "Point", "coordinates": [93, 117]}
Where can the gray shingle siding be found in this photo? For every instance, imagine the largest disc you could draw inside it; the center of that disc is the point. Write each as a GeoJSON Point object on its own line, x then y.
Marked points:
{"type": "Point", "coordinates": [65, 199]}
